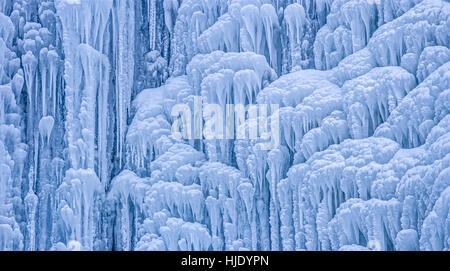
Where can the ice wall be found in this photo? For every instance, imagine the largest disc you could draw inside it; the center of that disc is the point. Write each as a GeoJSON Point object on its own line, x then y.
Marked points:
{"type": "Point", "coordinates": [88, 160]}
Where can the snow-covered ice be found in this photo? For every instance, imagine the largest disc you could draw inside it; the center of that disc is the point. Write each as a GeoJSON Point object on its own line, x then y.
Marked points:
{"type": "Point", "coordinates": [89, 159]}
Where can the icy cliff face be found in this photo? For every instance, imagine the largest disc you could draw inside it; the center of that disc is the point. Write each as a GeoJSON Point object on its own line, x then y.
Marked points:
{"type": "Point", "coordinates": [88, 158]}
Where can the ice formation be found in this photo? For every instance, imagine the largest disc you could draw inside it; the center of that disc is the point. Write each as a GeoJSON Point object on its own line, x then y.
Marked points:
{"type": "Point", "coordinates": [89, 160]}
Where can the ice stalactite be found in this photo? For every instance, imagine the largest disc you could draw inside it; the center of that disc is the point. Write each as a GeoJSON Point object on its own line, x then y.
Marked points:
{"type": "Point", "coordinates": [350, 25]}
{"type": "Point", "coordinates": [86, 73]}
{"type": "Point", "coordinates": [83, 59]}
{"type": "Point", "coordinates": [424, 179]}
{"type": "Point", "coordinates": [296, 22]}
{"type": "Point", "coordinates": [368, 107]}
{"type": "Point", "coordinates": [76, 20]}
{"type": "Point", "coordinates": [123, 33]}
{"type": "Point", "coordinates": [229, 212]}
{"type": "Point", "coordinates": [431, 59]}
{"type": "Point", "coordinates": [300, 24]}
{"type": "Point", "coordinates": [5, 6]}
{"type": "Point", "coordinates": [79, 199]}
{"type": "Point", "coordinates": [88, 148]}
{"type": "Point", "coordinates": [227, 81]}
{"type": "Point", "coordinates": [12, 155]}
{"type": "Point", "coordinates": [278, 163]}
{"type": "Point", "coordinates": [151, 123]}
{"type": "Point", "coordinates": [169, 190]}
{"type": "Point", "coordinates": [49, 65]}
{"type": "Point", "coordinates": [13, 151]}
{"type": "Point", "coordinates": [31, 202]}
{"type": "Point", "coordinates": [186, 22]}
{"type": "Point", "coordinates": [282, 32]}
{"type": "Point", "coordinates": [223, 35]}
{"type": "Point", "coordinates": [246, 27]}
{"type": "Point", "coordinates": [166, 199]}
{"type": "Point", "coordinates": [365, 223]}
{"type": "Point", "coordinates": [170, 13]}
{"type": "Point", "coordinates": [127, 193]}
{"type": "Point", "coordinates": [332, 130]}
{"type": "Point", "coordinates": [409, 126]}
{"type": "Point", "coordinates": [92, 83]}
{"type": "Point", "coordinates": [152, 34]}
{"type": "Point", "coordinates": [7, 33]}
{"type": "Point", "coordinates": [271, 26]}
{"type": "Point", "coordinates": [434, 235]}
{"type": "Point", "coordinates": [252, 24]}
{"type": "Point", "coordinates": [389, 47]}
{"type": "Point", "coordinates": [265, 170]}
{"type": "Point", "coordinates": [152, 20]}
{"type": "Point", "coordinates": [306, 97]}
{"type": "Point", "coordinates": [389, 43]}
{"type": "Point", "coordinates": [151, 40]}
{"type": "Point", "coordinates": [46, 127]}
{"type": "Point", "coordinates": [327, 180]}
{"type": "Point", "coordinates": [39, 48]}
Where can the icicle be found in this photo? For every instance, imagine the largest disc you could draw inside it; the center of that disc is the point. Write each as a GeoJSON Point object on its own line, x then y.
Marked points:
{"type": "Point", "coordinates": [170, 9]}
{"type": "Point", "coordinates": [251, 17]}
{"type": "Point", "coordinates": [270, 21]}
{"type": "Point", "coordinates": [123, 33]}
{"type": "Point", "coordinates": [46, 127]}
{"type": "Point", "coordinates": [151, 6]}
{"type": "Point", "coordinates": [295, 19]}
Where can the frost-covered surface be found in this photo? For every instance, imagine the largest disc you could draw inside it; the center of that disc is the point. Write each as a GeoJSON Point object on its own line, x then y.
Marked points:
{"type": "Point", "coordinates": [88, 160]}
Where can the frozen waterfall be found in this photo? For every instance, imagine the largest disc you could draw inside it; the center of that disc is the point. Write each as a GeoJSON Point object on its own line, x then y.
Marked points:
{"type": "Point", "coordinates": [359, 90]}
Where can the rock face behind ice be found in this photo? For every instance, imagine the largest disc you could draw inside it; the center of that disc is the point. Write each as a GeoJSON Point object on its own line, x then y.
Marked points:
{"type": "Point", "coordinates": [88, 160]}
